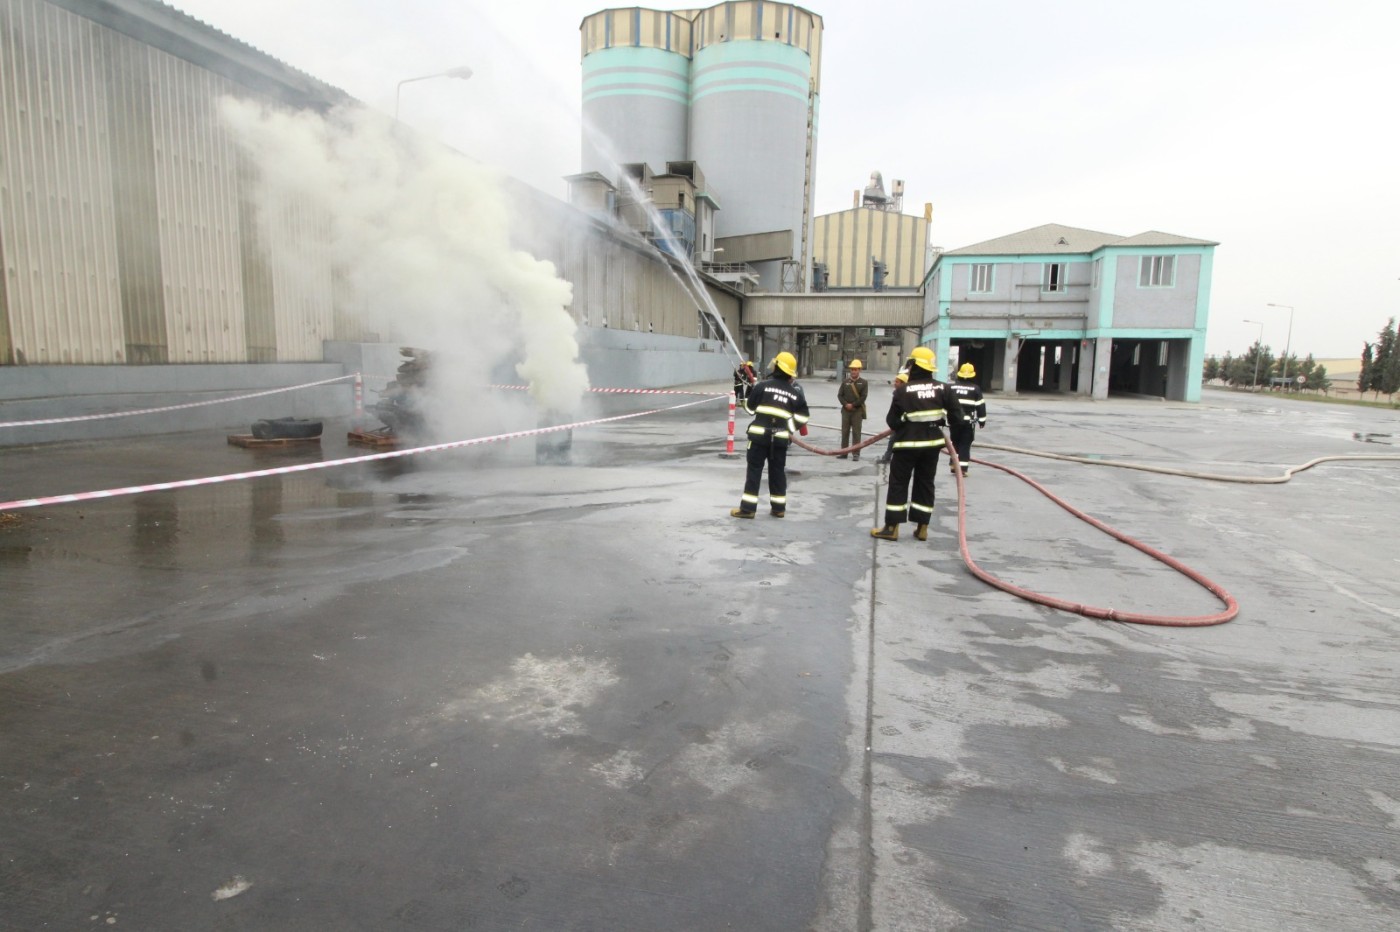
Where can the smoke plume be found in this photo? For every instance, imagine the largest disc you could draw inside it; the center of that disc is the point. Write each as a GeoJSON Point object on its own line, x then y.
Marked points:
{"type": "Point", "coordinates": [416, 240]}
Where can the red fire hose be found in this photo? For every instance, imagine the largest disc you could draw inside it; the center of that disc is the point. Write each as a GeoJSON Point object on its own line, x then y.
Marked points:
{"type": "Point", "coordinates": [1232, 607]}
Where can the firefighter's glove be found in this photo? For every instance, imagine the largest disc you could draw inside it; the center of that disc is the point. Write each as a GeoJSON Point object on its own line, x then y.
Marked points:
{"type": "Point", "coordinates": [803, 430]}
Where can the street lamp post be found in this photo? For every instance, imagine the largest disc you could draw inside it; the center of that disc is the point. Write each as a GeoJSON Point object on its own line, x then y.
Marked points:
{"type": "Point", "coordinates": [461, 73]}
{"type": "Point", "coordinates": [1258, 353]}
{"type": "Point", "coordinates": [1288, 342]}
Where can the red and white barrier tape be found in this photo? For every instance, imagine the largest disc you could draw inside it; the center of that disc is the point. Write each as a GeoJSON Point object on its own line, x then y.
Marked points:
{"type": "Point", "coordinates": [191, 404]}
{"type": "Point", "coordinates": [623, 391]}
{"type": "Point", "coordinates": [326, 464]}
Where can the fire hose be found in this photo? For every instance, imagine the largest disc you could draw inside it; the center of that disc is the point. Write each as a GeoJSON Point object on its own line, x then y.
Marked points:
{"type": "Point", "coordinates": [1092, 611]}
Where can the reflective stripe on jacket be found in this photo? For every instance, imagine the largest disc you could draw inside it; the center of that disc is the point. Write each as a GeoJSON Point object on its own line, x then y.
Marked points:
{"type": "Point", "coordinates": [970, 402]}
{"type": "Point", "coordinates": [778, 407]}
{"type": "Point", "coordinates": [917, 413]}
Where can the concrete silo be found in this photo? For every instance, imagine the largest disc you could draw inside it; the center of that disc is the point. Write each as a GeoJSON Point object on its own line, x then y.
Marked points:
{"type": "Point", "coordinates": [636, 89]}
{"type": "Point", "coordinates": [733, 88]}
{"type": "Point", "coordinates": [754, 93]}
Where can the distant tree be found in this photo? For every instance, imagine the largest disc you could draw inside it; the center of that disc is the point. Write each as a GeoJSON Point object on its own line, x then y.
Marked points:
{"type": "Point", "coordinates": [1385, 368]}
{"type": "Point", "coordinates": [1242, 372]}
{"type": "Point", "coordinates": [1288, 370]}
{"type": "Point", "coordinates": [1223, 373]}
{"type": "Point", "coordinates": [1363, 381]}
{"type": "Point", "coordinates": [1211, 370]}
{"type": "Point", "coordinates": [1314, 376]}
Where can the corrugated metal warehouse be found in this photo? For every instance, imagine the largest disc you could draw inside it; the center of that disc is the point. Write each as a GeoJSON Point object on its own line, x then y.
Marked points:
{"type": "Point", "coordinates": [128, 241]}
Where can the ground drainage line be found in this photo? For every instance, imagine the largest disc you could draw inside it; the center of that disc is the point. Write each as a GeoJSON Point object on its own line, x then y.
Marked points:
{"type": "Point", "coordinates": [865, 920]}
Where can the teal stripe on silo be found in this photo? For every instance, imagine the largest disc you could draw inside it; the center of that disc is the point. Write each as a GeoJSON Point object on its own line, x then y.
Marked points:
{"type": "Point", "coordinates": [647, 72]}
{"type": "Point", "coordinates": [636, 91]}
{"type": "Point", "coordinates": [751, 66]}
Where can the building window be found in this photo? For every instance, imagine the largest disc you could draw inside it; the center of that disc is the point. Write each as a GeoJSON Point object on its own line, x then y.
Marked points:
{"type": "Point", "coordinates": [1098, 271]}
{"type": "Point", "coordinates": [980, 279]}
{"type": "Point", "coordinates": [1162, 351]}
{"type": "Point", "coordinates": [1054, 277]}
{"type": "Point", "coordinates": [1157, 272]}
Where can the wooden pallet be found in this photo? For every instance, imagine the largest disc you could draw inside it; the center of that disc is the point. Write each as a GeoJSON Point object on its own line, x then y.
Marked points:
{"type": "Point", "coordinates": [251, 442]}
{"type": "Point", "coordinates": [372, 438]}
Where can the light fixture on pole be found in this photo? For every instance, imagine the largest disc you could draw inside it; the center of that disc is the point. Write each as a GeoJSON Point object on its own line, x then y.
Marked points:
{"type": "Point", "coordinates": [461, 73]}
{"type": "Point", "coordinates": [1288, 342]}
{"type": "Point", "coordinates": [1258, 353]}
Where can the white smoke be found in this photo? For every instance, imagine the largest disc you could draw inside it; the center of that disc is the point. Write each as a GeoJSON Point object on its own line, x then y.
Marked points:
{"type": "Point", "coordinates": [416, 238]}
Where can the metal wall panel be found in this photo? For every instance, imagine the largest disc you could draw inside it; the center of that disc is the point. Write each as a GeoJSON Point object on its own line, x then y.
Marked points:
{"type": "Point", "coordinates": [134, 198]}
{"type": "Point", "coordinates": [63, 304]}
{"type": "Point", "coordinates": [124, 237]}
{"type": "Point", "coordinates": [197, 192]}
{"type": "Point", "coordinates": [847, 239]}
{"type": "Point", "coordinates": [303, 285]}
{"type": "Point", "coordinates": [834, 310]}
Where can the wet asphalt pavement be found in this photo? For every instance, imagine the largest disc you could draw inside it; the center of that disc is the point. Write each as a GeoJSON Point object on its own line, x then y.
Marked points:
{"type": "Point", "coordinates": [463, 691]}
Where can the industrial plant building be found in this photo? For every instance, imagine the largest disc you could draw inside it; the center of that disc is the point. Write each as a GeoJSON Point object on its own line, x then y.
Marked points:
{"type": "Point", "coordinates": [134, 273]}
{"type": "Point", "coordinates": [1057, 308]}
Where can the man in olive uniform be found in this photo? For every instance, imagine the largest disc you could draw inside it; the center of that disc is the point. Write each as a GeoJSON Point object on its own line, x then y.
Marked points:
{"type": "Point", "coordinates": [917, 416]}
{"type": "Point", "coordinates": [967, 415]}
{"type": "Point", "coordinates": [778, 405]}
{"type": "Point", "coordinates": [852, 394]}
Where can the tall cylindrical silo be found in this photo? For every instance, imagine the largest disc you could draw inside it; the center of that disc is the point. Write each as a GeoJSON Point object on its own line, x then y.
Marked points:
{"type": "Point", "coordinates": [754, 91]}
{"type": "Point", "coordinates": [636, 89]}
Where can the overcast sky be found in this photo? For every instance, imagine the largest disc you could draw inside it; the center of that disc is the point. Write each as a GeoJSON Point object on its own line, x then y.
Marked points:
{"type": "Point", "coordinates": [1268, 127]}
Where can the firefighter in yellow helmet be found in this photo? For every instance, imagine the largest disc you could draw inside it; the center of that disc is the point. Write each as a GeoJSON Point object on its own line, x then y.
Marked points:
{"type": "Point", "coordinates": [744, 378]}
{"type": "Point", "coordinates": [779, 407]}
{"type": "Point", "coordinates": [967, 415]}
{"type": "Point", "coordinates": [851, 396]}
{"type": "Point", "coordinates": [917, 414]}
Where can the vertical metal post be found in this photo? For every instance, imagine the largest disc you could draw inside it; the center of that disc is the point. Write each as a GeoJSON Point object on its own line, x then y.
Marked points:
{"type": "Point", "coordinates": [729, 443]}
{"type": "Point", "coordinates": [359, 400]}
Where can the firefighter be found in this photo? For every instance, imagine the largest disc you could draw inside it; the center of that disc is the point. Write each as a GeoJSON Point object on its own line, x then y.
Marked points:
{"type": "Point", "coordinates": [900, 379]}
{"type": "Point", "coordinates": [917, 415]}
{"type": "Point", "coordinates": [744, 378]}
{"type": "Point", "coordinates": [852, 394]}
{"type": "Point", "coordinates": [778, 406]}
{"type": "Point", "coordinates": [969, 414]}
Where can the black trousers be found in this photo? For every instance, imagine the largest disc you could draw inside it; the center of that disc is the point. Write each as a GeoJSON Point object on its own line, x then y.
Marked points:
{"type": "Point", "coordinates": [962, 442]}
{"type": "Point", "coordinates": [919, 464]}
{"type": "Point", "coordinates": [771, 452]}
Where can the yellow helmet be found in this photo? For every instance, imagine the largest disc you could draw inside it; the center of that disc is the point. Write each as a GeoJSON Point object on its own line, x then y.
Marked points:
{"type": "Point", "coordinates": [855, 364]}
{"type": "Point", "coordinates": [786, 362]}
{"type": "Point", "coordinates": [965, 371]}
{"type": "Point", "coordinates": [923, 358]}
{"type": "Point", "coordinates": [901, 376]}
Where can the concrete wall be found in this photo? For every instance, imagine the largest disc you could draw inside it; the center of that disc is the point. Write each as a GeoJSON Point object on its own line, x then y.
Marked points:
{"type": "Point", "coordinates": [1155, 307]}
{"type": "Point", "coordinates": [618, 359]}
{"type": "Point", "coordinates": [34, 392]}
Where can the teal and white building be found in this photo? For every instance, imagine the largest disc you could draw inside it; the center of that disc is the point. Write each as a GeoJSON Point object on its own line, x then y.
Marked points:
{"type": "Point", "coordinates": [734, 88]}
{"type": "Point", "coordinates": [1061, 309]}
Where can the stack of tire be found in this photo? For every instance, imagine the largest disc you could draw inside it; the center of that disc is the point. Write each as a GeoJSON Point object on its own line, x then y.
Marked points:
{"type": "Point", "coordinates": [286, 428]}
{"type": "Point", "coordinates": [400, 405]}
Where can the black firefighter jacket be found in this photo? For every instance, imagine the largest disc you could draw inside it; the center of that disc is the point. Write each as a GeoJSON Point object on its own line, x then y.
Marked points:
{"type": "Point", "coordinates": [777, 406]}
{"type": "Point", "coordinates": [917, 412]}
